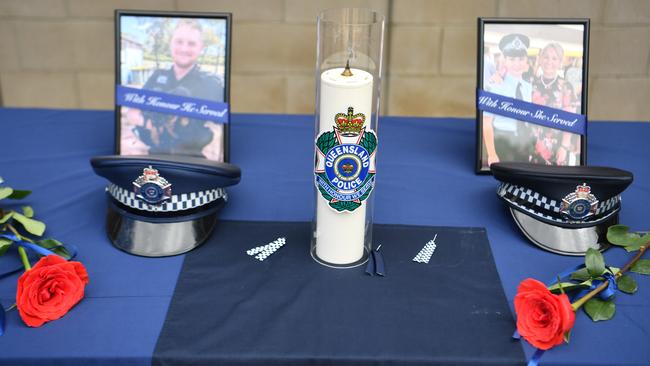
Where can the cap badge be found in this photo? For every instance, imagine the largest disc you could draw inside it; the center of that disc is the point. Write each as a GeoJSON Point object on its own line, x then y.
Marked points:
{"type": "Point", "coordinates": [151, 187]}
{"type": "Point", "coordinates": [515, 44]}
{"type": "Point", "coordinates": [580, 204]}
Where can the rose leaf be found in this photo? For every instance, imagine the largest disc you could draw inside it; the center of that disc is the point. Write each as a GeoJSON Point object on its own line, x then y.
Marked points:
{"type": "Point", "coordinates": [581, 275]}
{"type": "Point", "coordinates": [620, 235]}
{"type": "Point", "coordinates": [28, 211]}
{"type": "Point", "coordinates": [626, 284]}
{"type": "Point", "coordinates": [594, 262]}
{"type": "Point", "coordinates": [4, 245]}
{"type": "Point", "coordinates": [6, 217]}
{"type": "Point", "coordinates": [642, 266]}
{"type": "Point", "coordinates": [32, 226]}
{"type": "Point", "coordinates": [19, 194]}
{"type": "Point", "coordinates": [5, 192]}
{"type": "Point", "coordinates": [55, 246]}
{"type": "Point", "coordinates": [566, 286]}
{"type": "Point", "coordinates": [598, 309]}
{"type": "Point", "coordinates": [4, 249]}
{"type": "Point", "coordinates": [632, 248]}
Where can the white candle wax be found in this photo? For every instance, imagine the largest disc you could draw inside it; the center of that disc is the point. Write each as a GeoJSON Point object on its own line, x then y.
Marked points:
{"type": "Point", "coordinates": [340, 236]}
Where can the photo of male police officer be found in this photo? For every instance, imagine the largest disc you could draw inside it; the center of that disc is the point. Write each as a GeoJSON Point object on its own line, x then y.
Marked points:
{"type": "Point", "coordinates": [178, 61]}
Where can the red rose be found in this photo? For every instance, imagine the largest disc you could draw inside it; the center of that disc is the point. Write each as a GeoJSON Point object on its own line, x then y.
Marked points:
{"type": "Point", "coordinates": [48, 290]}
{"type": "Point", "coordinates": [542, 317]}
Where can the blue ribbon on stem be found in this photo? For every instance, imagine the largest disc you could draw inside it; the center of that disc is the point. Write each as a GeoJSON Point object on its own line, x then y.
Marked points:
{"type": "Point", "coordinates": [605, 294]}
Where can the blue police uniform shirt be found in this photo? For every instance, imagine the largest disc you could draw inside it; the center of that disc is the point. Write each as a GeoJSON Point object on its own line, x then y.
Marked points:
{"type": "Point", "coordinates": [195, 84]}
{"type": "Point", "coordinates": [508, 88]}
{"type": "Point", "coordinates": [186, 138]}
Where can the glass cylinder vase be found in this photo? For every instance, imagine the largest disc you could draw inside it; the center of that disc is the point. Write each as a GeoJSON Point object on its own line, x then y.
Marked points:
{"type": "Point", "coordinates": [348, 85]}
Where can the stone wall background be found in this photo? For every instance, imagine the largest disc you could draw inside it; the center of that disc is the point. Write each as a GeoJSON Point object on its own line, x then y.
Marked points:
{"type": "Point", "coordinates": [59, 53]}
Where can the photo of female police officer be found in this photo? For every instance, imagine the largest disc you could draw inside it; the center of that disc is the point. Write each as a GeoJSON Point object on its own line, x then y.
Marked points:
{"type": "Point", "coordinates": [537, 63]}
{"type": "Point", "coordinates": [179, 56]}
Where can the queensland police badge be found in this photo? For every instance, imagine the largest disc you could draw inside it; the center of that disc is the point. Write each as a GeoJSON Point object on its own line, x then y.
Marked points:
{"type": "Point", "coordinates": [580, 204]}
{"type": "Point", "coordinates": [151, 187]}
{"type": "Point", "coordinates": [345, 162]}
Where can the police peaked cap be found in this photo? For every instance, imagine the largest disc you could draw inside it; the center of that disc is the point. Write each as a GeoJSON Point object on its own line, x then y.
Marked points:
{"type": "Point", "coordinates": [163, 205]}
{"type": "Point", "coordinates": [564, 209]}
{"type": "Point", "coordinates": [514, 45]}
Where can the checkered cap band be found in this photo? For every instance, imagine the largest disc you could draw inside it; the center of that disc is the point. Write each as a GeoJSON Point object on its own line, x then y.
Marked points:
{"type": "Point", "coordinates": [180, 202]}
{"type": "Point", "coordinates": [543, 207]}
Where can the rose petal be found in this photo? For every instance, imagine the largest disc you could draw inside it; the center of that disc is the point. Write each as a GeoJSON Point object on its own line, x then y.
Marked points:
{"type": "Point", "coordinates": [542, 317]}
{"type": "Point", "coordinates": [50, 289]}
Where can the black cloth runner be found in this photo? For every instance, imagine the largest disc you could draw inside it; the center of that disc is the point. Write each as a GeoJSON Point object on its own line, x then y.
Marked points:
{"type": "Point", "coordinates": [231, 309]}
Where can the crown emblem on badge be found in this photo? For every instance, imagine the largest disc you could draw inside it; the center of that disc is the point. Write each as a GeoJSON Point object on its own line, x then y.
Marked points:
{"type": "Point", "coordinates": [151, 187]}
{"type": "Point", "coordinates": [150, 174]}
{"type": "Point", "coordinates": [583, 191]}
{"type": "Point", "coordinates": [579, 204]}
{"type": "Point", "coordinates": [349, 124]}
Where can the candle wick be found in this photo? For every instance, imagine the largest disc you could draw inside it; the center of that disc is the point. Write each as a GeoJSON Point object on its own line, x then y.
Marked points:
{"type": "Point", "coordinates": [347, 71]}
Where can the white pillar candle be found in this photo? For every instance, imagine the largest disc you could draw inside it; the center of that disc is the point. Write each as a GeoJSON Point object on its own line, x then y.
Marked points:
{"type": "Point", "coordinates": [340, 236]}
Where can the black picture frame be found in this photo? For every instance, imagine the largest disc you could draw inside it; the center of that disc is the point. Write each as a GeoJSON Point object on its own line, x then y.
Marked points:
{"type": "Point", "coordinates": [514, 22]}
{"type": "Point", "coordinates": [119, 13]}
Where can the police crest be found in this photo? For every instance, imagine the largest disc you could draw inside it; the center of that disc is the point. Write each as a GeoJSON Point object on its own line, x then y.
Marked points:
{"type": "Point", "coordinates": [345, 162]}
{"type": "Point", "coordinates": [580, 204]}
{"type": "Point", "coordinates": [151, 187]}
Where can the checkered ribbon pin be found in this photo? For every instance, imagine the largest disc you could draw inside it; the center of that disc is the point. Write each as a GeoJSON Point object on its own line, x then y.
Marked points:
{"type": "Point", "coordinates": [264, 251]}
{"type": "Point", "coordinates": [426, 252]}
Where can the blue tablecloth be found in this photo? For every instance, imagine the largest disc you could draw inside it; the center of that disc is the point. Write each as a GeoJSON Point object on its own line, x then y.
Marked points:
{"type": "Point", "coordinates": [425, 177]}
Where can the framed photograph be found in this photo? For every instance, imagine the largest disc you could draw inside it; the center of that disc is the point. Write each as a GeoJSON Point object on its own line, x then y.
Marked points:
{"type": "Point", "coordinates": [531, 103]}
{"type": "Point", "coordinates": [172, 78]}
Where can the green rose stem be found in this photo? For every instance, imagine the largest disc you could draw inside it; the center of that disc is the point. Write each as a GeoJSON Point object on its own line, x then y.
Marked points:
{"type": "Point", "coordinates": [576, 305]}
{"type": "Point", "coordinates": [21, 250]}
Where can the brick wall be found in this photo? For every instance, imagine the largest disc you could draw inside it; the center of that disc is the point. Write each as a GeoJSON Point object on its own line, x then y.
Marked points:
{"type": "Point", "coordinates": [59, 53]}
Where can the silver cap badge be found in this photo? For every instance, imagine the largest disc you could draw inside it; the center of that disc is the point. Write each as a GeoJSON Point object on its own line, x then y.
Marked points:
{"type": "Point", "coordinates": [579, 204]}
{"type": "Point", "coordinates": [151, 187]}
